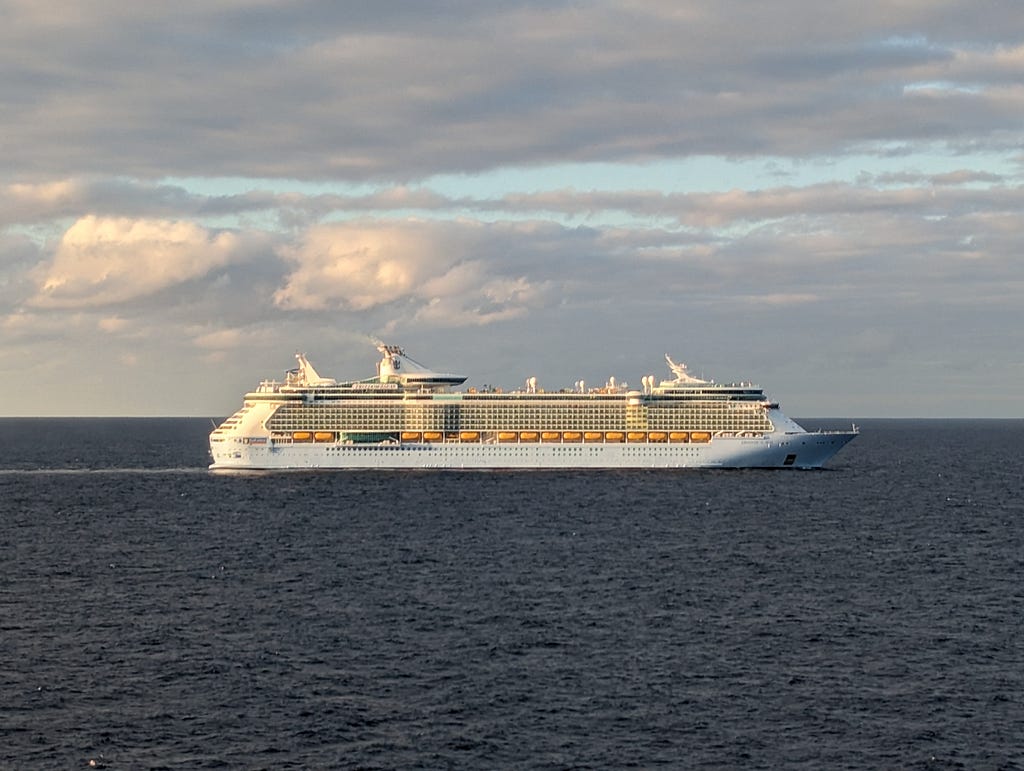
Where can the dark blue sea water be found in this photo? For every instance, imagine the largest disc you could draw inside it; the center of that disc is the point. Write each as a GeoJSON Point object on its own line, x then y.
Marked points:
{"type": "Point", "coordinates": [153, 615]}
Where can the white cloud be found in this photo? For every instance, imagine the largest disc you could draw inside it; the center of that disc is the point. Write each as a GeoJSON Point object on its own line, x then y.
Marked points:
{"type": "Point", "coordinates": [446, 270]}
{"type": "Point", "coordinates": [360, 266]}
{"type": "Point", "coordinates": [102, 261]}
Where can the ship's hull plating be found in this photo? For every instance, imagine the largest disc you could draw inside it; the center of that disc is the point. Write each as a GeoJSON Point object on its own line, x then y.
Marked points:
{"type": "Point", "coordinates": [780, 450]}
{"type": "Point", "coordinates": [395, 422]}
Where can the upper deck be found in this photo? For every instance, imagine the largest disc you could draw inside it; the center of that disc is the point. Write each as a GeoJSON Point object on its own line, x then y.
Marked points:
{"type": "Point", "coordinates": [400, 378]}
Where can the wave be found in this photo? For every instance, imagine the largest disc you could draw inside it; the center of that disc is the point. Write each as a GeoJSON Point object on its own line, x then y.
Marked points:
{"type": "Point", "coordinates": [43, 471]}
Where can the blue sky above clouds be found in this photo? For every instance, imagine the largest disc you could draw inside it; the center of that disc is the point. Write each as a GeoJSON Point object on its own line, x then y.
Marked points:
{"type": "Point", "coordinates": [825, 199]}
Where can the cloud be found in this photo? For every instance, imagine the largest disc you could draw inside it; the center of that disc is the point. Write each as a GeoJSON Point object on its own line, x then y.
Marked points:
{"type": "Point", "coordinates": [359, 266]}
{"type": "Point", "coordinates": [102, 261]}
{"type": "Point", "coordinates": [220, 339]}
{"type": "Point", "coordinates": [500, 299]}
{"type": "Point", "coordinates": [42, 202]}
{"type": "Point", "coordinates": [28, 327]}
{"type": "Point", "coordinates": [223, 178]}
{"type": "Point", "coordinates": [330, 92]}
{"type": "Point", "coordinates": [448, 271]}
{"type": "Point", "coordinates": [113, 324]}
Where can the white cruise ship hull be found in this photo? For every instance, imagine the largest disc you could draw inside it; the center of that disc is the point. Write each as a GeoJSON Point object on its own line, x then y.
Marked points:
{"type": "Point", "coordinates": [408, 418]}
{"type": "Point", "coordinates": [789, 450]}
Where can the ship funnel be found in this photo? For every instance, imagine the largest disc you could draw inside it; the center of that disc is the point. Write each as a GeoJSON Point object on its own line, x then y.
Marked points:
{"type": "Point", "coordinates": [308, 375]}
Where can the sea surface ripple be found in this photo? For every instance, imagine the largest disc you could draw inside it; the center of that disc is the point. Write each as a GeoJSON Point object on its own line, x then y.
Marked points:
{"type": "Point", "coordinates": [154, 615]}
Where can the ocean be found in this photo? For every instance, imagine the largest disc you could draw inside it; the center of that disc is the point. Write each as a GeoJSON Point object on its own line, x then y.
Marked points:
{"type": "Point", "coordinates": [154, 615]}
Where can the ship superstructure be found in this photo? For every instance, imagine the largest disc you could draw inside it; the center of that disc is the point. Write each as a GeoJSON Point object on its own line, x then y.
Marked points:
{"type": "Point", "coordinates": [409, 416]}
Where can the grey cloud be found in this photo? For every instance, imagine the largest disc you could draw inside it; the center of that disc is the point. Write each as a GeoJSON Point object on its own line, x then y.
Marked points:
{"type": "Point", "coordinates": [915, 195]}
{"type": "Point", "coordinates": [959, 177]}
{"type": "Point", "coordinates": [19, 256]}
{"type": "Point", "coordinates": [896, 275]}
{"type": "Point", "coordinates": [616, 296]}
{"type": "Point", "coordinates": [40, 203]}
{"type": "Point", "coordinates": [402, 91]}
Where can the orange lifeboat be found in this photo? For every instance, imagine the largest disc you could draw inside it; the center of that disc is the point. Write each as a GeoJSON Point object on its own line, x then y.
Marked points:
{"type": "Point", "coordinates": [636, 436]}
{"type": "Point", "coordinates": [469, 436]}
{"type": "Point", "coordinates": [432, 436]}
{"type": "Point", "coordinates": [592, 436]}
{"type": "Point", "coordinates": [656, 436]}
{"type": "Point", "coordinates": [550, 436]}
{"type": "Point", "coordinates": [323, 436]}
{"type": "Point", "coordinates": [528, 436]}
{"type": "Point", "coordinates": [302, 436]}
{"type": "Point", "coordinates": [679, 436]}
{"type": "Point", "coordinates": [410, 436]}
{"type": "Point", "coordinates": [700, 436]}
{"type": "Point", "coordinates": [613, 436]}
{"type": "Point", "coordinates": [571, 436]}
{"type": "Point", "coordinates": [507, 436]}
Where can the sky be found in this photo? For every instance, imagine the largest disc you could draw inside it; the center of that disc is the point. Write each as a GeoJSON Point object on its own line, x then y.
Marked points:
{"type": "Point", "coordinates": [822, 198]}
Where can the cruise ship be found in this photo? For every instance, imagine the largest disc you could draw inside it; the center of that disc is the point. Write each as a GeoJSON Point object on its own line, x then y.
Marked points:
{"type": "Point", "coordinates": [410, 416]}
